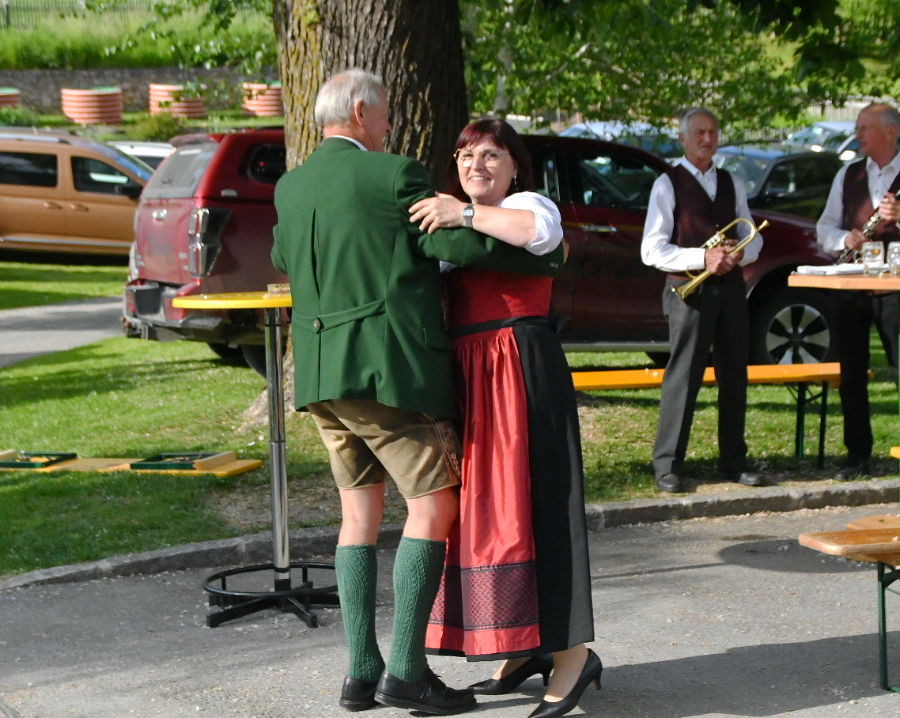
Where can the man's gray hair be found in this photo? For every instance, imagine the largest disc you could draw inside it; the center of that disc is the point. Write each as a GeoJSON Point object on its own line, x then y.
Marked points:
{"type": "Point", "coordinates": [336, 98]}
{"type": "Point", "coordinates": [886, 113]}
{"type": "Point", "coordinates": [692, 112]}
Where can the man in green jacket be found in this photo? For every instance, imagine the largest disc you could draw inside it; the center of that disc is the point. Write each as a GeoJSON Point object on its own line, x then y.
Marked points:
{"type": "Point", "coordinates": [372, 364]}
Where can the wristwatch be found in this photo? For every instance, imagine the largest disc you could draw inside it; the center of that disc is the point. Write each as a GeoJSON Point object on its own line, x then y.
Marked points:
{"type": "Point", "coordinates": [468, 214]}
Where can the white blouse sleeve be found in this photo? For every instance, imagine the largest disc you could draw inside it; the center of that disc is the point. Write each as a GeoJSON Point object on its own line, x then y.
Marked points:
{"type": "Point", "coordinates": [547, 220]}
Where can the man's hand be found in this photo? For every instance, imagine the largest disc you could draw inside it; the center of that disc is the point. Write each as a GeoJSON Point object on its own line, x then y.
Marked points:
{"type": "Point", "coordinates": [721, 260]}
{"type": "Point", "coordinates": [854, 239]}
{"type": "Point", "coordinates": [889, 208]}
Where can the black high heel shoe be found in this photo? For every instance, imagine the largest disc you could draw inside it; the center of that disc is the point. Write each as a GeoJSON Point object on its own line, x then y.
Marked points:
{"type": "Point", "coordinates": [591, 672]}
{"type": "Point", "coordinates": [542, 664]}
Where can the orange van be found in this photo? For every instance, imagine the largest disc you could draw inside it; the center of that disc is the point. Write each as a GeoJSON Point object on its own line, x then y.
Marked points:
{"type": "Point", "coordinates": [64, 193]}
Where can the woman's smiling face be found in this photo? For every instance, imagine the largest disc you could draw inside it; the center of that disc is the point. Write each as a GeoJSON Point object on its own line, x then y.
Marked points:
{"type": "Point", "coordinates": [485, 171]}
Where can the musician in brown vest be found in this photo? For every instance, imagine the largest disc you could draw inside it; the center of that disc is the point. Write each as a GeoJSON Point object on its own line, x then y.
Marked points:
{"type": "Point", "coordinates": [687, 206]}
{"type": "Point", "coordinates": [858, 190]}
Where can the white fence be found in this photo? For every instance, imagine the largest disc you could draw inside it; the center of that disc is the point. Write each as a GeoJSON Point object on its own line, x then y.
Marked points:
{"type": "Point", "coordinates": [28, 14]}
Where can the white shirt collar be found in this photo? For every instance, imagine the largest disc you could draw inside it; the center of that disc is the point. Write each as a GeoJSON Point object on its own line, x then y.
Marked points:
{"type": "Point", "coordinates": [696, 171]}
{"type": "Point", "coordinates": [350, 139]}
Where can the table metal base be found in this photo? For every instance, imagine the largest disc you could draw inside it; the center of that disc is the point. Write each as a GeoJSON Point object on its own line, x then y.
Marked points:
{"type": "Point", "coordinates": [886, 577]}
{"type": "Point", "coordinates": [284, 597]}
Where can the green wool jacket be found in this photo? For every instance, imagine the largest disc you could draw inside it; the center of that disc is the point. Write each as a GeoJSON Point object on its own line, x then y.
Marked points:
{"type": "Point", "coordinates": [365, 281]}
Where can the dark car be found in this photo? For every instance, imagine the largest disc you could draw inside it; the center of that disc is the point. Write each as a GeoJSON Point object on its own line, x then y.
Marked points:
{"type": "Point", "coordinates": [782, 180]}
{"type": "Point", "coordinates": [205, 225]}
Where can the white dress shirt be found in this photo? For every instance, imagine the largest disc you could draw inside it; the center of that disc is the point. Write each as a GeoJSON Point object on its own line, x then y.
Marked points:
{"type": "Point", "coordinates": [829, 232]}
{"type": "Point", "coordinates": [657, 248]}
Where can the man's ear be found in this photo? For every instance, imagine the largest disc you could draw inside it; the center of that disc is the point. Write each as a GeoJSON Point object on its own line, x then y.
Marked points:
{"type": "Point", "coordinates": [358, 110]}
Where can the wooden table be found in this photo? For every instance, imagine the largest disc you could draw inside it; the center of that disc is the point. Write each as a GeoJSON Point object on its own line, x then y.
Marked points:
{"type": "Point", "coordinates": [871, 539]}
{"type": "Point", "coordinates": [285, 597]}
{"type": "Point", "coordinates": [864, 282]}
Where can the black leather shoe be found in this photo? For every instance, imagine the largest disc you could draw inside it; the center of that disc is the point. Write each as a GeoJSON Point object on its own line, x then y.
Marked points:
{"type": "Point", "coordinates": [852, 469]}
{"type": "Point", "coordinates": [668, 482]}
{"type": "Point", "coordinates": [542, 664]}
{"type": "Point", "coordinates": [589, 674]}
{"type": "Point", "coordinates": [428, 695]}
{"type": "Point", "coordinates": [357, 694]}
{"type": "Point", "coordinates": [747, 478]}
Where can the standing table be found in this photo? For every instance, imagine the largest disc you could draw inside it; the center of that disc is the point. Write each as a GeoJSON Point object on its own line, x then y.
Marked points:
{"type": "Point", "coordinates": [885, 282]}
{"type": "Point", "coordinates": [284, 596]}
{"type": "Point", "coordinates": [873, 539]}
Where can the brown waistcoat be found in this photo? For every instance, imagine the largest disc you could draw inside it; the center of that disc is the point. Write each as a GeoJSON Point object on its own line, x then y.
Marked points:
{"type": "Point", "coordinates": [696, 216]}
{"type": "Point", "coordinates": [858, 206]}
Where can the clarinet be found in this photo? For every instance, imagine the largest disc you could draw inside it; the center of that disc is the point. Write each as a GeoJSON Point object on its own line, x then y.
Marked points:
{"type": "Point", "coordinates": [868, 229]}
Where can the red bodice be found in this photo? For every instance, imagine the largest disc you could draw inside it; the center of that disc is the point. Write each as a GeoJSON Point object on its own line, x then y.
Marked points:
{"type": "Point", "coordinates": [479, 296]}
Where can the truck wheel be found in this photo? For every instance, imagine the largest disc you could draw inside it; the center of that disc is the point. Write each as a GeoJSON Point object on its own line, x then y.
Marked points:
{"type": "Point", "coordinates": [230, 355]}
{"type": "Point", "coordinates": [792, 326]}
{"type": "Point", "coordinates": [255, 356]}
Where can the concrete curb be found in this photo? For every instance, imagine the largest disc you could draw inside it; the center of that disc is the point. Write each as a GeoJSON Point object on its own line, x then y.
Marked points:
{"type": "Point", "coordinates": [313, 542]}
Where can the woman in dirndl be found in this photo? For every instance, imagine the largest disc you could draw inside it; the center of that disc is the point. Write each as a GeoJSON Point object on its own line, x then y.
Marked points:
{"type": "Point", "coordinates": [516, 584]}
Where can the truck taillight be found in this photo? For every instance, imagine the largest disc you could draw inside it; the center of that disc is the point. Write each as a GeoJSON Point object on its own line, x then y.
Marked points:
{"type": "Point", "coordinates": [201, 252]}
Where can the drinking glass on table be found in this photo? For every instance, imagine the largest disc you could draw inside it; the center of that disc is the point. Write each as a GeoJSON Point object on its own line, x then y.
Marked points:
{"type": "Point", "coordinates": [873, 257]}
{"type": "Point", "coordinates": [893, 258]}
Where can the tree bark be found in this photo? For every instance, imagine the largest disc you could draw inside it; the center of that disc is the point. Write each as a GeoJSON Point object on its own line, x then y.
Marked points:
{"type": "Point", "coordinates": [416, 48]}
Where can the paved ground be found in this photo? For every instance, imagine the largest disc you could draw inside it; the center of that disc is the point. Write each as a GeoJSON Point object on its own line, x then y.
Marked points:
{"type": "Point", "coordinates": [704, 617]}
{"type": "Point", "coordinates": [32, 331]}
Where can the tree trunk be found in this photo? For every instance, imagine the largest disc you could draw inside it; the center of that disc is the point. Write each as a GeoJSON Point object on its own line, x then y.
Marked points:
{"type": "Point", "coordinates": [416, 48]}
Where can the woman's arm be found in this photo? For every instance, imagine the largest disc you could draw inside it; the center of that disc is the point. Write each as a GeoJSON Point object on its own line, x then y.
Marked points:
{"type": "Point", "coordinates": [528, 220]}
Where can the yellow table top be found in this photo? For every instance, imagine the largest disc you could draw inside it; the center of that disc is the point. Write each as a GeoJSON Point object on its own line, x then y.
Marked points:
{"type": "Point", "coordinates": [233, 300]}
{"type": "Point", "coordinates": [885, 282]}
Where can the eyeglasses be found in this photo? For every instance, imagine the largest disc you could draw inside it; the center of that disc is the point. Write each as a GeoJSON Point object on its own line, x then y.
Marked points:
{"type": "Point", "coordinates": [488, 158]}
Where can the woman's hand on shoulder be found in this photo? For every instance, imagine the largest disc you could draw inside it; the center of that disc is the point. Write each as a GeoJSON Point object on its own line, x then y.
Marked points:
{"type": "Point", "coordinates": [432, 213]}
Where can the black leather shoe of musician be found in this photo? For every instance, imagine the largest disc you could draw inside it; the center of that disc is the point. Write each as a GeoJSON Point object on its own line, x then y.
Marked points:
{"type": "Point", "coordinates": [357, 694]}
{"type": "Point", "coordinates": [745, 478]}
{"type": "Point", "coordinates": [589, 674]}
{"type": "Point", "coordinates": [428, 695]}
{"type": "Point", "coordinates": [668, 482]}
{"type": "Point", "coordinates": [853, 468]}
{"type": "Point", "coordinates": [541, 664]}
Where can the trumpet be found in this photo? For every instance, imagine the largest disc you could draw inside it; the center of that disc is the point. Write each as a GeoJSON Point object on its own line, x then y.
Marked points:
{"type": "Point", "coordinates": [718, 239]}
{"type": "Point", "coordinates": [868, 229]}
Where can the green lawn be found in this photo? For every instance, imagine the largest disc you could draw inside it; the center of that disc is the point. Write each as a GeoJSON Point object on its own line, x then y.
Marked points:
{"type": "Point", "coordinates": [26, 284]}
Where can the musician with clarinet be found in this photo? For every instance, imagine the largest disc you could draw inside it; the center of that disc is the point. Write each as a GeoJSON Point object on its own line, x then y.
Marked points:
{"type": "Point", "coordinates": [704, 298]}
{"type": "Point", "coordinates": [862, 205]}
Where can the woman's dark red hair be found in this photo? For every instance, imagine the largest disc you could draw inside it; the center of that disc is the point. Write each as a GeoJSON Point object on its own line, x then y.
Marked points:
{"type": "Point", "coordinates": [506, 138]}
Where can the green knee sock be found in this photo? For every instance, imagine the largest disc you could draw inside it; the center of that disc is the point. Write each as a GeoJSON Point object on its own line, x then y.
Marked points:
{"type": "Point", "coordinates": [356, 570]}
{"type": "Point", "coordinates": [417, 577]}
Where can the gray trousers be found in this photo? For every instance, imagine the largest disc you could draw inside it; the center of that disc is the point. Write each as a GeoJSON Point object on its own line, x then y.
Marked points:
{"type": "Point", "coordinates": [714, 316]}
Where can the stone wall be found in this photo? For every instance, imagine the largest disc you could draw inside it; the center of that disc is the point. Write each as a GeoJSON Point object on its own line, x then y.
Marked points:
{"type": "Point", "coordinates": [39, 89]}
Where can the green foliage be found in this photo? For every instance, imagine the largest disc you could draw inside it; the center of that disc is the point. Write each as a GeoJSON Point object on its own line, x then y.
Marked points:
{"type": "Point", "coordinates": [18, 116]}
{"type": "Point", "coordinates": [158, 127]}
{"type": "Point", "coordinates": [180, 35]}
{"type": "Point", "coordinates": [661, 58]}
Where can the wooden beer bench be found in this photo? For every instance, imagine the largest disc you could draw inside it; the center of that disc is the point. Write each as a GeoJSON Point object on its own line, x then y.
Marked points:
{"type": "Point", "coordinates": [871, 539]}
{"type": "Point", "coordinates": [802, 376]}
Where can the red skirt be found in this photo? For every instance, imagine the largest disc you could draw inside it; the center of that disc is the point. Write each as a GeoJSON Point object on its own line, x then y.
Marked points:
{"type": "Point", "coordinates": [488, 600]}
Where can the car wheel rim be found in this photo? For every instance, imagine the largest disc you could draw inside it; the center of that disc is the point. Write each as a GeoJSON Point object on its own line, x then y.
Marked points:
{"type": "Point", "coordinates": [798, 334]}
